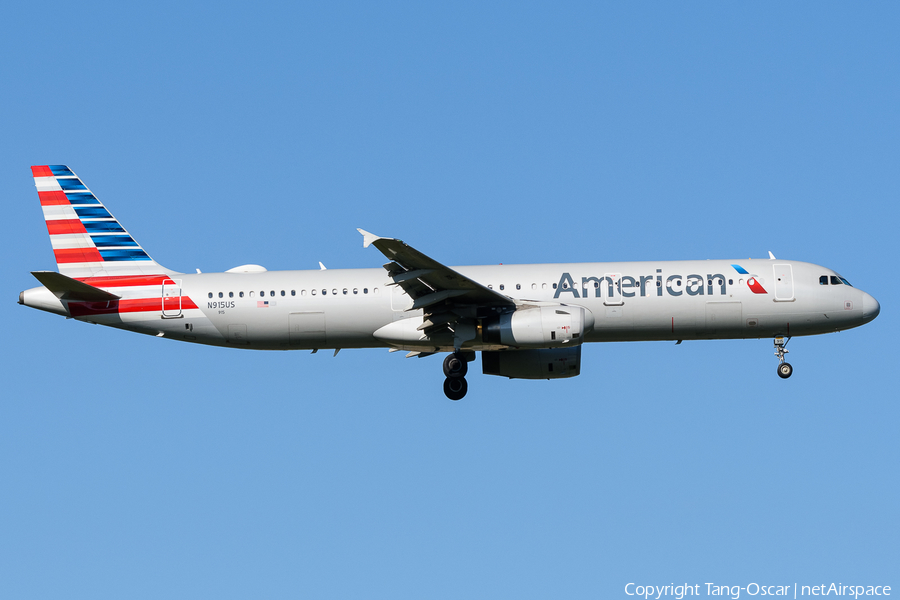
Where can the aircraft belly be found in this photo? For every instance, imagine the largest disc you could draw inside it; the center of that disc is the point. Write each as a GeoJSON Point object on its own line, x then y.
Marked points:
{"type": "Point", "coordinates": [805, 316]}
{"type": "Point", "coordinates": [723, 319]}
{"type": "Point", "coordinates": [614, 319]}
{"type": "Point", "coordinates": [666, 321]}
{"type": "Point", "coordinates": [349, 327]}
{"type": "Point", "coordinates": [293, 325]}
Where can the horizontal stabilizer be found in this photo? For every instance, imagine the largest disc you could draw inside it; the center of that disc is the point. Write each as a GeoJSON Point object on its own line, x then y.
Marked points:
{"type": "Point", "coordinates": [66, 288]}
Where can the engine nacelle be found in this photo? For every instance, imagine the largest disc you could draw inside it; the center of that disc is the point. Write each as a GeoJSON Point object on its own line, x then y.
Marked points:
{"type": "Point", "coordinates": [551, 326]}
{"type": "Point", "coordinates": [545, 363]}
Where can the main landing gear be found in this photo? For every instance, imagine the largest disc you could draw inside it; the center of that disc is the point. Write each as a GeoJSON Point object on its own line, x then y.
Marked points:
{"type": "Point", "coordinates": [455, 368]}
{"type": "Point", "coordinates": [784, 369]}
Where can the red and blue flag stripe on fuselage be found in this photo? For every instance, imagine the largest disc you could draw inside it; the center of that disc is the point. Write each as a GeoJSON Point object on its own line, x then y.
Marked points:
{"type": "Point", "coordinates": [126, 305]}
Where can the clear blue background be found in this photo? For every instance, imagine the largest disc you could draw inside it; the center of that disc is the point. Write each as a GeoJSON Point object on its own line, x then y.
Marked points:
{"type": "Point", "coordinates": [222, 134]}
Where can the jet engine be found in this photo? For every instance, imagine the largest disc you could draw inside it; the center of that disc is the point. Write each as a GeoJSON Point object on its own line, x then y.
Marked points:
{"type": "Point", "coordinates": [550, 326]}
{"type": "Point", "coordinates": [545, 363]}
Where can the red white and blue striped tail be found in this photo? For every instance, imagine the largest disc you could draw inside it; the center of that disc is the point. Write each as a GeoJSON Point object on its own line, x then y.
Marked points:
{"type": "Point", "coordinates": [87, 240]}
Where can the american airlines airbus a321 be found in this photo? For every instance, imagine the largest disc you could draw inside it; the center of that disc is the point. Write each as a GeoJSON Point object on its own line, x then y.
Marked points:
{"type": "Point", "coordinates": [528, 321]}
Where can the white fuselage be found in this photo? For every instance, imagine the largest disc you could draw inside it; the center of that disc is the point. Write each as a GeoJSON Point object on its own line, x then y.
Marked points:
{"type": "Point", "coordinates": [362, 308]}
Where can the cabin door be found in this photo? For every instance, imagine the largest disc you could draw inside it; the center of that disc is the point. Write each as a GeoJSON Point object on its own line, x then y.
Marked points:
{"type": "Point", "coordinates": [784, 283]}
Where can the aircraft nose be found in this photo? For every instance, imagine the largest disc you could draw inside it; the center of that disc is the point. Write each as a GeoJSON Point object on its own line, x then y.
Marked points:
{"type": "Point", "coordinates": [870, 307]}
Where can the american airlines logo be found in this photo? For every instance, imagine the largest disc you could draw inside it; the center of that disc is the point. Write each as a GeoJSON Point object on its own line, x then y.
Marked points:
{"type": "Point", "coordinates": [752, 281]}
{"type": "Point", "coordinates": [627, 286]}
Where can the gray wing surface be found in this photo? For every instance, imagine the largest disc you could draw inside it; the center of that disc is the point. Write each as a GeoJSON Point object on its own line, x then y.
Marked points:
{"type": "Point", "coordinates": [451, 302]}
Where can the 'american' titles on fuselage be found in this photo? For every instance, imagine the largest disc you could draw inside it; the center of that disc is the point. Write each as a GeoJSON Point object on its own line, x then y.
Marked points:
{"type": "Point", "coordinates": [629, 286]}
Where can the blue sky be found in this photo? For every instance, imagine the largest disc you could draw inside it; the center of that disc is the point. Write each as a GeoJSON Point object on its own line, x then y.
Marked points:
{"type": "Point", "coordinates": [228, 134]}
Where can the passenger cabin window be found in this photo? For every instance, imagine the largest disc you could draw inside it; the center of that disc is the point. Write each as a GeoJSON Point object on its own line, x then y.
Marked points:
{"type": "Point", "coordinates": [221, 295]}
{"type": "Point", "coordinates": [835, 280]}
{"type": "Point", "coordinates": [502, 286]}
{"type": "Point", "coordinates": [241, 294]}
{"type": "Point", "coordinates": [355, 290]}
{"type": "Point", "coordinates": [518, 286]}
{"type": "Point", "coordinates": [282, 292]}
{"type": "Point", "coordinates": [823, 280]}
{"type": "Point", "coordinates": [210, 294]}
{"type": "Point", "coordinates": [231, 294]}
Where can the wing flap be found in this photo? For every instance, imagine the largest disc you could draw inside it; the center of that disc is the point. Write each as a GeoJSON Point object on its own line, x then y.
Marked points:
{"type": "Point", "coordinates": [431, 299]}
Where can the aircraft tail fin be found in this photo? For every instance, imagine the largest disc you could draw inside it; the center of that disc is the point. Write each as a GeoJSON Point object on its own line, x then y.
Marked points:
{"type": "Point", "coordinates": [87, 240]}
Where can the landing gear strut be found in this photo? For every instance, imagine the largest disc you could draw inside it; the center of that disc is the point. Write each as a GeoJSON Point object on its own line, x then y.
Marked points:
{"type": "Point", "coordinates": [455, 368]}
{"type": "Point", "coordinates": [784, 369]}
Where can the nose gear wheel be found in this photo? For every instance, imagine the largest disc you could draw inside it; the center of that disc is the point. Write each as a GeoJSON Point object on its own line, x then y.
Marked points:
{"type": "Point", "coordinates": [785, 369]}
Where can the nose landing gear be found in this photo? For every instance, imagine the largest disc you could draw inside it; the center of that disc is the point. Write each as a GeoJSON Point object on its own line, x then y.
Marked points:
{"type": "Point", "coordinates": [455, 368]}
{"type": "Point", "coordinates": [784, 369]}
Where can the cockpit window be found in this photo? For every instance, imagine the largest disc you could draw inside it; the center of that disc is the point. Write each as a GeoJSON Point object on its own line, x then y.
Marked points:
{"type": "Point", "coordinates": [845, 282]}
{"type": "Point", "coordinates": [835, 280]}
{"type": "Point", "coordinates": [823, 280]}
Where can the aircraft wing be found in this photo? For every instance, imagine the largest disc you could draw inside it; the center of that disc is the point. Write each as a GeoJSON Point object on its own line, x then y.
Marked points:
{"type": "Point", "coordinates": [449, 299]}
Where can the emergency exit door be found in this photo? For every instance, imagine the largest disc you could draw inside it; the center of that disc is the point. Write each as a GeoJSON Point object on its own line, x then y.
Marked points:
{"type": "Point", "coordinates": [171, 298]}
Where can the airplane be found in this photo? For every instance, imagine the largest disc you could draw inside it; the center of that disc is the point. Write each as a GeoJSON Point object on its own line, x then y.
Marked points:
{"type": "Point", "coordinates": [528, 321]}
